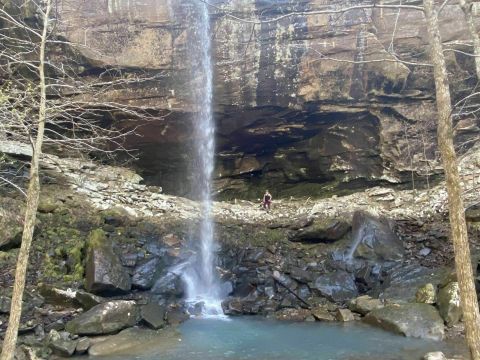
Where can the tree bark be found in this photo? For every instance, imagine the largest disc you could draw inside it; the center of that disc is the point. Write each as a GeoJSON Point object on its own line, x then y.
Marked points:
{"type": "Point", "coordinates": [463, 265]}
{"type": "Point", "coordinates": [33, 193]}
{"type": "Point", "coordinates": [466, 6]}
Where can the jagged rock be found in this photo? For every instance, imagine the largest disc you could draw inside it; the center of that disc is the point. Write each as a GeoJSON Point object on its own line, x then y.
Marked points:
{"type": "Point", "coordinates": [87, 300]}
{"type": "Point", "coordinates": [291, 314]}
{"type": "Point", "coordinates": [403, 282]}
{"type": "Point", "coordinates": [449, 303]}
{"type": "Point", "coordinates": [426, 294]}
{"type": "Point", "coordinates": [105, 318]}
{"type": "Point", "coordinates": [82, 345]}
{"type": "Point", "coordinates": [364, 304]}
{"type": "Point", "coordinates": [61, 344]}
{"type": "Point", "coordinates": [284, 280]}
{"type": "Point", "coordinates": [300, 275]}
{"type": "Point", "coordinates": [232, 306]}
{"type": "Point", "coordinates": [344, 315]}
{"type": "Point", "coordinates": [374, 238]}
{"type": "Point", "coordinates": [63, 347]}
{"type": "Point", "coordinates": [412, 320]}
{"type": "Point", "coordinates": [153, 315]}
{"type": "Point", "coordinates": [58, 297]}
{"type": "Point", "coordinates": [249, 305]}
{"type": "Point", "coordinates": [176, 316]}
{"type": "Point", "coordinates": [169, 285]}
{"type": "Point", "coordinates": [322, 230]}
{"type": "Point", "coordinates": [104, 272]}
{"type": "Point", "coordinates": [320, 313]}
{"type": "Point", "coordinates": [145, 274]}
{"type": "Point", "coordinates": [337, 286]}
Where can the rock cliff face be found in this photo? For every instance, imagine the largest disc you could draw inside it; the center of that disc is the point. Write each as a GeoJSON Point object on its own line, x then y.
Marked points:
{"type": "Point", "coordinates": [306, 104]}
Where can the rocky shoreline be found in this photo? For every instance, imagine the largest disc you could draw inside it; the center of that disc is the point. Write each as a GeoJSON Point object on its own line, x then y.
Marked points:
{"type": "Point", "coordinates": [102, 268]}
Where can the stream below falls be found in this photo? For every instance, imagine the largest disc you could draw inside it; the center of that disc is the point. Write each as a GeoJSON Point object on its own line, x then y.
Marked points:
{"type": "Point", "coordinates": [260, 339]}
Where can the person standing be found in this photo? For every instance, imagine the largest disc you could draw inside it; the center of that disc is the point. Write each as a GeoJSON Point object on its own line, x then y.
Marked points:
{"type": "Point", "coordinates": [267, 200]}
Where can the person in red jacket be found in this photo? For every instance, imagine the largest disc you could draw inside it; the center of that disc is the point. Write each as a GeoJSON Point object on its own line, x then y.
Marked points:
{"type": "Point", "coordinates": [267, 200]}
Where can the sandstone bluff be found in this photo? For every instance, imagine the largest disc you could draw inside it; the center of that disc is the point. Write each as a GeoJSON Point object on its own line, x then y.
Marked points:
{"type": "Point", "coordinates": [294, 111]}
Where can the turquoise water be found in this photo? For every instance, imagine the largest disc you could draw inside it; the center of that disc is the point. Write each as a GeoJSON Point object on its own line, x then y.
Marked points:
{"type": "Point", "coordinates": [259, 339]}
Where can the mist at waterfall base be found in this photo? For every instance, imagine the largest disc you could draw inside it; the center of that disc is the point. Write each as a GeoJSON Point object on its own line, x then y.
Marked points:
{"type": "Point", "coordinates": [252, 338]}
{"type": "Point", "coordinates": [202, 284]}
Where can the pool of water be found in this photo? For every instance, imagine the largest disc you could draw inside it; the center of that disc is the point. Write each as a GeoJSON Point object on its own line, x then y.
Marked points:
{"type": "Point", "coordinates": [260, 339]}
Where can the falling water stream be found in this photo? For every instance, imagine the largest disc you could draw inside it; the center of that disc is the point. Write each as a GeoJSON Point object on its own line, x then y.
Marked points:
{"type": "Point", "coordinates": [202, 283]}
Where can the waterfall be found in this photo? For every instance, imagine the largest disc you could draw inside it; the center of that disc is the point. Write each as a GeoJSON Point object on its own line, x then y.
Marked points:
{"type": "Point", "coordinates": [355, 243]}
{"type": "Point", "coordinates": [201, 280]}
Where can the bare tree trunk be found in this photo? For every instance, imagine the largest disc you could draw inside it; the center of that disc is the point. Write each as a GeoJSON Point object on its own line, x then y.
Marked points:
{"type": "Point", "coordinates": [466, 6]}
{"type": "Point", "coordinates": [9, 343]}
{"type": "Point", "coordinates": [468, 296]}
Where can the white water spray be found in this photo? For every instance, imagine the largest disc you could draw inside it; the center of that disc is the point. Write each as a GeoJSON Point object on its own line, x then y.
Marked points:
{"type": "Point", "coordinates": [202, 283]}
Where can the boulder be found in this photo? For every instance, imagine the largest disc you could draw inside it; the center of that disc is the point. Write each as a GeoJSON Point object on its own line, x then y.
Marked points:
{"type": "Point", "coordinates": [402, 283]}
{"type": "Point", "coordinates": [153, 315]}
{"type": "Point", "coordinates": [58, 297]}
{"type": "Point", "coordinates": [10, 233]}
{"type": "Point", "coordinates": [344, 315]}
{"type": "Point", "coordinates": [169, 285]}
{"type": "Point", "coordinates": [232, 306]}
{"type": "Point", "coordinates": [449, 303]}
{"type": "Point", "coordinates": [364, 304]}
{"type": "Point", "coordinates": [146, 273]}
{"type": "Point", "coordinates": [412, 320]}
{"type": "Point", "coordinates": [472, 214]}
{"type": "Point", "coordinates": [87, 300]}
{"type": "Point", "coordinates": [63, 347]}
{"type": "Point", "coordinates": [426, 294]}
{"type": "Point", "coordinates": [134, 340]}
{"type": "Point", "coordinates": [176, 316]}
{"type": "Point", "coordinates": [320, 313]}
{"type": "Point", "coordinates": [104, 273]}
{"type": "Point", "coordinates": [250, 305]}
{"type": "Point", "coordinates": [374, 239]}
{"type": "Point", "coordinates": [61, 344]}
{"type": "Point", "coordinates": [82, 345]}
{"type": "Point", "coordinates": [322, 231]}
{"type": "Point", "coordinates": [106, 318]}
{"type": "Point", "coordinates": [337, 286]}
{"type": "Point", "coordinates": [5, 304]}
{"type": "Point", "coordinates": [47, 205]}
